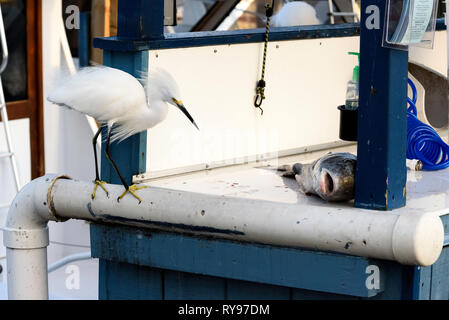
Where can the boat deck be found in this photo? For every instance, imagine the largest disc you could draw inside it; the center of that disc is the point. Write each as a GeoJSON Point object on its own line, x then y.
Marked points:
{"type": "Point", "coordinates": [426, 191]}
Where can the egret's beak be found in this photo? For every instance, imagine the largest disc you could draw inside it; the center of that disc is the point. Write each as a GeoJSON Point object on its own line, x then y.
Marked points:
{"type": "Point", "coordinates": [181, 107]}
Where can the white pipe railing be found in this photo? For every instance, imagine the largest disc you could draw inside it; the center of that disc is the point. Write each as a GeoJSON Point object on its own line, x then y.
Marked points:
{"type": "Point", "coordinates": [413, 238]}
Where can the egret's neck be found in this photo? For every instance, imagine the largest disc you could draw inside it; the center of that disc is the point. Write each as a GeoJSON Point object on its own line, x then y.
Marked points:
{"type": "Point", "coordinates": [157, 111]}
{"type": "Point", "coordinates": [144, 117]}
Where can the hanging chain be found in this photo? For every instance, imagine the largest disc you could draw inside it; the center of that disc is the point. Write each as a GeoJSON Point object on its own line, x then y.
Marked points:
{"type": "Point", "coordinates": [260, 89]}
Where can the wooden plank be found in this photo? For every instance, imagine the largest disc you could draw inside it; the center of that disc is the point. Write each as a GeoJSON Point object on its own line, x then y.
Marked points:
{"type": "Point", "coordinates": [18, 110]}
{"type": "Point", "coordinates": [280, 266]}
{"type": "Point", "coordinates": [382, 121]}
{"type": "Point", "coordinates": [99, 26]}
{"type": "Point", "coordinates": [187, 286]}
{"type": "Point", "coordinates": [209, 38]}
{"type": "Point", "coordinates": [38, 164]}
{"type": "Point", "coordinates": [122, 281]}
{"type": "Point", "coordinates": [35, 107]}
{"type": "Point", "coordinates": [113, 18]}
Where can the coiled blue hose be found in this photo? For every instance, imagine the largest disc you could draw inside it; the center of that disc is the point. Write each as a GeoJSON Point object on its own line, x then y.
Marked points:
{"type": "Point", "coordinates": [423, 142]}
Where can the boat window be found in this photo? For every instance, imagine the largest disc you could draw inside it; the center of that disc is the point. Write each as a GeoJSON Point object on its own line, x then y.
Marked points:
{"type": "Point", "coordinates": [241, 21]}
{"type": "Point", "coordinates": [14, 77]}
{"type": "Point", "coordinates": [210, 15]}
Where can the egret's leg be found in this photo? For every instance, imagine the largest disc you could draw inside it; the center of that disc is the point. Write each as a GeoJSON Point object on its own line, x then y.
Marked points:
{"type": "Point", "coordinates": [128, 188]}
{"type": "Point", "coordinates": [131, 190]}
{"type": "Point", "coordinates": [94, 144]}
{"type": "Point", "coordinates": [97, 181]}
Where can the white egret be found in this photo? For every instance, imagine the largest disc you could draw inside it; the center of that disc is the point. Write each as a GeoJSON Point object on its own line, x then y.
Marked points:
{"type": "Point", "coordinates": [296, 13]}
{"type": "Point", "coordinates": [118, 100]}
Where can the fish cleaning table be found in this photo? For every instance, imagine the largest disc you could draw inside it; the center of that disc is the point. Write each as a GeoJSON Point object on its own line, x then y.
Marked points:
{"type": "Point", "coordinates": [249, 234]}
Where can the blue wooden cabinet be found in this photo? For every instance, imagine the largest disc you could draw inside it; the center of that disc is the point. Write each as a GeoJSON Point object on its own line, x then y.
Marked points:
{"type": "Point", "coordinates": [146, 264]}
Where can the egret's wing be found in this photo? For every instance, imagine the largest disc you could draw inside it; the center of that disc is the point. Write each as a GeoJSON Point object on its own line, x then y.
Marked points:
{"type": "Point", "coordinates": [142, 77]}
{"type": "Point", "coordinates": [101, 92]}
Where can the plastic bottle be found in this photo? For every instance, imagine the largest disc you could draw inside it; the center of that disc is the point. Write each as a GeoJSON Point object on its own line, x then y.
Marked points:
{"type": "Point", "coordinates": [352, 91]}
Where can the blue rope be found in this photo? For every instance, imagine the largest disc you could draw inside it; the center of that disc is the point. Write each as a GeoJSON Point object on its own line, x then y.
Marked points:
{"type": "Point", "coordinates": [423, 142]}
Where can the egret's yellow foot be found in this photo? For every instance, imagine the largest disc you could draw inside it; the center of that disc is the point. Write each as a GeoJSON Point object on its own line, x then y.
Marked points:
{"type": "Point", "coordinates": [101, 185]}
{"type": "Point", "coordinates": [131, 190]}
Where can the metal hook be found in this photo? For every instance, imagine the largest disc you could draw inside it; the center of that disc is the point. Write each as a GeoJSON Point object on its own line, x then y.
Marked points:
{"type": "Point", "coordinates": [258, 102]}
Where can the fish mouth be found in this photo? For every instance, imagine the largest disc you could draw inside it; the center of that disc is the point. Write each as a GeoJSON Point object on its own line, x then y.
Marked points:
{"type": "Point", "coordinates": [327, 184]}
{"type": "Point", "coordinates": [335, 187]}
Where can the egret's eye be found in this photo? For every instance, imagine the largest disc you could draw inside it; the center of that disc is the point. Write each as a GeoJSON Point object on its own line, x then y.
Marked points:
{"type": "Point", "coordinates": [179, 103]}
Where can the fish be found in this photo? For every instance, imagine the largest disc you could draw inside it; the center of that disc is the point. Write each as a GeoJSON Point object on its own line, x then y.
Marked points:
{"type": "Point", "coordinates": [330, 177]}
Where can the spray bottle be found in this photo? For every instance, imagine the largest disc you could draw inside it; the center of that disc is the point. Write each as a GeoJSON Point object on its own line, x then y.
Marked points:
{"type": "Point", "coordinates": [352, 91]}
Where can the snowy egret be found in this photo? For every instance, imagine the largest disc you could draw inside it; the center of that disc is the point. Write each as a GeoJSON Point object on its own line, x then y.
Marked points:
{"type": "Point", "coordinates": [119, 101]}
{"type": "Point", "coordinates": [297, 13]}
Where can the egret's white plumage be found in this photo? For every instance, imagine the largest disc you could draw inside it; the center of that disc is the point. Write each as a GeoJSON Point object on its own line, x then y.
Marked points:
{"type": "Point", "coordinates": [296, 13]}
{"type": "Point", "coordinates": [118, 100]}
{"type": "Point", "coordinates": [114, 97]}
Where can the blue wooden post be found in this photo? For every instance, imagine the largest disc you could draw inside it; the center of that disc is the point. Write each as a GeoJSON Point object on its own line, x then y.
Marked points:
{"type": "Point", "coordinates": [130, 154]}
{"type": "Point", "coordinates": [83, 40]}
{"type": "Point", "coordinates": [382, 135]}
{"type": "Point", "coordinates": [137, 20]}
{"type": "Point", "coordinates": [140, 19]}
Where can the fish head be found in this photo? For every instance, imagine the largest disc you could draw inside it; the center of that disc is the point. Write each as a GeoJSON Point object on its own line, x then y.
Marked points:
{"type": "Point", "coordinates": [336, 178]}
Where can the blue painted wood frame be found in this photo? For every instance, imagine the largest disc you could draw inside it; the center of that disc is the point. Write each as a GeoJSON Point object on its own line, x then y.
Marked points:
{"type": "Point", "coordinates": [263, 264]}
{"type": "Point", "coordinates": [382, 122]}
{"type": "Point", "coordinates": [148, 264]}
{"type": "Point", "coordinates": [208, 38]}
{"type": "Point", "coordinates": [83, 40]}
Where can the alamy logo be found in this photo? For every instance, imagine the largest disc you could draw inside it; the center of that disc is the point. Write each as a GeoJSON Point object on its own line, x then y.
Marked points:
{"type": "Point", "coordinates": [373, 19]}
{"type": "Point", "coordinates": [73, 20]}
{"type": "Point", "coordinates": [72, 282]}
{"type": "Point", "coordinates": [373, 280]}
